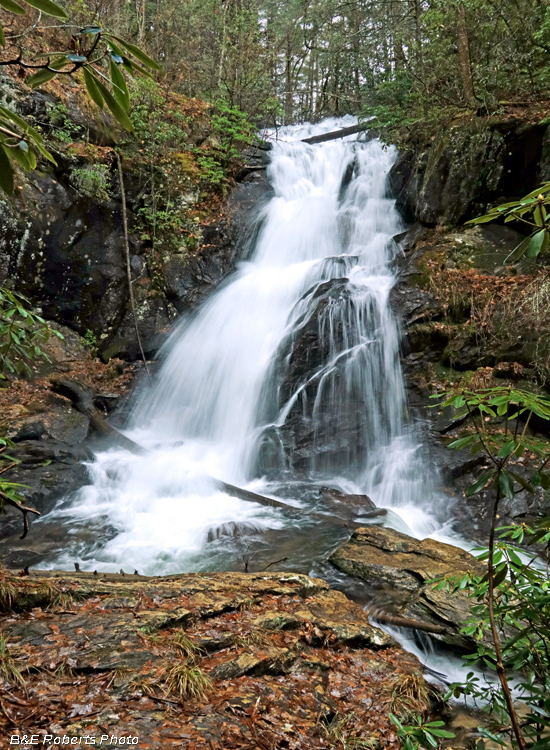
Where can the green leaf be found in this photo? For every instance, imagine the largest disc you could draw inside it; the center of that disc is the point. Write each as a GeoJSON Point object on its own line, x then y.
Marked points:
{"type": "Point", "coordinates": [137, 53]}
{"type": "Point", "coordinates": [43, 76]}
{"type": "Point", "coordinates": [91, 30]}
{"type": "Point", "coordinates": [482, 219]}
{"type": "Point", "coordinates": [130, 66]}
{"type": "Point", "coordinates": [501, 574]}
{"type": "Point", "coordinates": [23, 159]}
{"type": "Point", "coordinates": [49, 7]}
{"type": "Point", "coordinates": [2, 36]}
{"type": "Point", "coordinates": [92, 88]}
{"type": "Point", "coordinates": [480, 483]}
{"type": "Point", "coordinates": [6, 172]}
{"type": "Point", "coordinates": [507, 449]}
{"type": "Point", "coordinates": [118, 112]}
{"type": "Point", "coordinates": [462, 442]}
{"type": "Point", "coordinates": [23, 124]}
{"type": "Point", "coordinates": [12, 7]}
{"type": "Point", "coordinates": [120, 90]}
{"type": "Point", "coordinates": [518, 251]}
{"type": "Point", "coordinates": [442, 733]}
{"type": "Point", "coordinates": [77, 58]}
{"type": "Point", "coordinates": [396, 721]}
{"type": "Point", "coordinates": [524, 483]}
{"type": "Point", "coordinates": [537, 243]}
{"type": "Point", "coordinates": [506, 484]}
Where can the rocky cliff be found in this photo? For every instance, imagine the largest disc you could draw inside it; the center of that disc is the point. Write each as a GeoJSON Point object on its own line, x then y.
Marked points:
{"type": "Point", "coordinates": [470, 318]}
{"type": "Point", "coordinates": [61, 238]}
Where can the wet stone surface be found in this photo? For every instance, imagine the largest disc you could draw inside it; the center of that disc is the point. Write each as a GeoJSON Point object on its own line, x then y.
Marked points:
{"type": "Point", "coordinates": [282, 658]}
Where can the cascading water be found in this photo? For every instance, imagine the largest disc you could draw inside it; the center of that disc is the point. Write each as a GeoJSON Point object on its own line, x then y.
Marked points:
{"type": "Point", "coordinates": [287, 378]}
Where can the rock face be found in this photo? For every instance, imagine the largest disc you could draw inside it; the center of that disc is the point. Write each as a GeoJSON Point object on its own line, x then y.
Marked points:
{"type": "Point", "coordinates": [321, 405]}
{"type": "Point", "coordinates": [48, 469]}
{"type": "Point", "coordinates": [272, 656]}
{"type": "Point", "coordinates": [397, 568]}
{"type": "Point", "coordinates": [61, 244]}
{"type": "Point", "coordinates": [466, 167]}
{"type": "Point", "coordinates": [66, 254]}
{"type": "Point", "coordinates": [467, 319]}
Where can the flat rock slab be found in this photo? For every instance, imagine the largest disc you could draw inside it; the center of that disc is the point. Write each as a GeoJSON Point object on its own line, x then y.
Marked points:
{"type": "Point", "coordinates": [282, 656]}
{"type": "Point", "coordinates": [398, 568]}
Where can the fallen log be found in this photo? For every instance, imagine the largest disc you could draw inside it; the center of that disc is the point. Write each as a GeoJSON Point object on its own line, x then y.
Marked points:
{"type": "Point", "coordinates": [252, 497]}
{"type": "Point", "coordinates": [82, 399]}
{"type": "Point", "coordinates": [334, 134]}
{"type": "Point", "coordinates": [385, 618]}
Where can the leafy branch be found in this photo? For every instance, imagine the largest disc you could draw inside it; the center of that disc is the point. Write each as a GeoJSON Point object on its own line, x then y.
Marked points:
{"type": "Point", "coordinates": [531, 211]}
{"type": "Point", "coordinates": [500, 418]}
{"type": "Point", "coordinates": [22, 144]}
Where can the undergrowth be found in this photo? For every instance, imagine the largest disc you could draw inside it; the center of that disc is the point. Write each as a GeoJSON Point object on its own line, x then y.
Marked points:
{"type": "Point", "coordinates": [8, 667]}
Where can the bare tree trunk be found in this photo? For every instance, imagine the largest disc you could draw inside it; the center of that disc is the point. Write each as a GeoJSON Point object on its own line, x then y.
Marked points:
{"type": "Point", "coordinates": [289, 98]}
{"type": "Point", "coordinates": [140, 14]}
{"type": "Point", "coordinates": [464, 55]}
{"type": "Point", "coordinates": [223, 45]}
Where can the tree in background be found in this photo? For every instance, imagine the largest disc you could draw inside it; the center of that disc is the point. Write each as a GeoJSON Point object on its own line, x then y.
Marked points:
{"type": "Point", "coordinates": [287, 60]}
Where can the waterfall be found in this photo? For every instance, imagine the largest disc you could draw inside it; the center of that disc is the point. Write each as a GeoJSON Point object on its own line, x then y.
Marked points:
{"type": "Point", "coordinates": [286, 379]}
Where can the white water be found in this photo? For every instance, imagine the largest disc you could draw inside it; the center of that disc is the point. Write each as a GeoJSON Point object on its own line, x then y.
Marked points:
{"type": "Point", "coordinates": [220, 400]}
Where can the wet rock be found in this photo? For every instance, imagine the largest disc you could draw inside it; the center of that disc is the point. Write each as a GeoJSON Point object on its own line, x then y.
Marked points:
{"type": "Point", "coordinates": [49, 470]}
{"type": "Point", "coordinates": [117, 640]}
{"type": "Point", "coordinates": [465, 168]}
{"type": "Point", "coordinates": [346, 505]}
{"type": "Point", "coordinates": [397, 568]}
{"type": "Point", "coordinates": [272, 661]}
{"type": "Point", "coordinates": [325, 407]}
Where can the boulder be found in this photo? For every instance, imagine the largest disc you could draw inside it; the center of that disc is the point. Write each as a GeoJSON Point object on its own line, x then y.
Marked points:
{"type": "Point", "coordinates": [346, 506]}
{"type": "Point", "coordinates": [398, 569]}
{"type": "Point", "coordinates": [320, 416]}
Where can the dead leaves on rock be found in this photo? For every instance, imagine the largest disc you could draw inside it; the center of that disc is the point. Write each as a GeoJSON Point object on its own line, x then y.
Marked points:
{"type": "Point", "coordinates": [276, 673]}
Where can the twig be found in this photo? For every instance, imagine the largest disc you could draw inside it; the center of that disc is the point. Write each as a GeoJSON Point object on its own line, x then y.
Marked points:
{"type": "Point", "coordinates": [23, 509]}
{"type": "Point", "coordinates": [283, 559]}
{"type": "Point", "coordinates": [9, 467]}
{"type": "Point", "coordinates": [6, 714]}
{"type": "Point", "coordinates": [128, 265]}
{"type": "Point", "coordinates": [14, 698]}
{"type": "Point", "coordinates": [246, 560]}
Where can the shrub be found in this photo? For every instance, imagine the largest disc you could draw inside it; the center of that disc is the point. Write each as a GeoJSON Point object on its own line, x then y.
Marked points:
{"type": "Point", "coordinates": [93, 181]}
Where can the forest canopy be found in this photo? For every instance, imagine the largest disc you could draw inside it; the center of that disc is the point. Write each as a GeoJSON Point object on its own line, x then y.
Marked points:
{"type": "Point", "coordinates": [288, 60]}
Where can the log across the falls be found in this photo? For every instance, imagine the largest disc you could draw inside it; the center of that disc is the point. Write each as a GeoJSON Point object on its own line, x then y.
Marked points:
{"type": "Point", "coordinates": [82, 400]}
{"type": "Point", "coordinates": [334, 134]}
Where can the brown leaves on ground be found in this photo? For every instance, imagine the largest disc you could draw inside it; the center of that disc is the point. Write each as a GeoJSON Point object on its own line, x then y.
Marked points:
{"type": "Point", "coordinates": [215, 661]}
{"type": "Point", "coordinates": [23, 397]}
